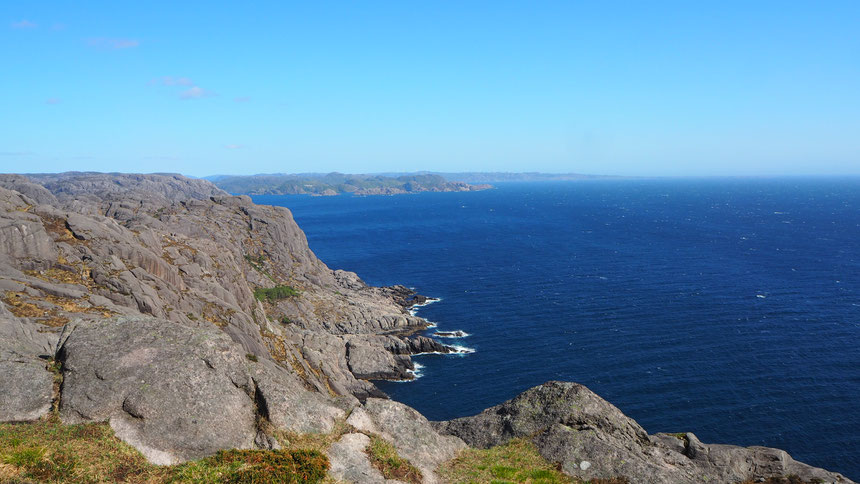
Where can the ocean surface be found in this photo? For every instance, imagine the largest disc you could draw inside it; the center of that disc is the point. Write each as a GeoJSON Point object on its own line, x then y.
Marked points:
{"type": "Point", "coordinates": [729, 307]}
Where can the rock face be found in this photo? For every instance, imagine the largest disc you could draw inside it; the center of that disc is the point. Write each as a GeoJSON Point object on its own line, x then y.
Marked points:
{"type": "Point", "coordinates": [82, 245]}
{"type": "Point", "coordinates": [175, 392]}
{"type": "Point", "coordinates": [590, 438]}
{"type": "Point", "coordinates": [26, 388]}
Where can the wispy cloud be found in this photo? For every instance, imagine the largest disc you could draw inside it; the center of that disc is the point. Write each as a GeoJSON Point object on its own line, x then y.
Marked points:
{"type": "Point", "coordinates": [24, 24]}
{"type": "Point", "coordinates": [176, 81]}
{"type": "Point", "coordinates": [16, 153]}
{"type": "Point", "coordinates": [234, 147]}
{"type": "Point", "coordinates": [112, 44]}
{"type": "Point", "coordinates": [242, 99]}
{"type": "Point", "coordinates": [53, 100]}
{"type": "Point", "coordinates": [195, 92]}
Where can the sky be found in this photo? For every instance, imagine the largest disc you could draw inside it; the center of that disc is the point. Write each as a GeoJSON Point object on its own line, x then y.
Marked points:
{"type": "Point", "coordinates": [617, 88]}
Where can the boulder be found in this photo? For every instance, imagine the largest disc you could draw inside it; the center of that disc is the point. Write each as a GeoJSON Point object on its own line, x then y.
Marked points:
{"type": "Point", "coordinates": [589, 438]}
{"type": "Point", "coordinates": [26, 386]}
{"type": "Point", "coordinates": [173, 392]}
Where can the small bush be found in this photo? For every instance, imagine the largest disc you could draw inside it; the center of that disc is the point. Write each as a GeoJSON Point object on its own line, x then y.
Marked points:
{"type": "Point", "coordinates": [272, 294]}
{"type": "Point", "coordinates": [287, 466]}
{"type": "Point", "coordinates": [251, 356]}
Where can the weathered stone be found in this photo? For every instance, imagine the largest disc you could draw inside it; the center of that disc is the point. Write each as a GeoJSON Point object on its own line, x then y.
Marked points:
{"type": "Point", "coordinates": [349, 462]}
{"type": "Point", "coordinates": [373, 363]}
{"type": "Point", "coordinates": [288, 406]}
{"type": "Point", "coordinates": [175, 393]}
{"type": "Point", "coordinates": [26, 387]}
{"type": "Point", "coordinates": [412, 435]}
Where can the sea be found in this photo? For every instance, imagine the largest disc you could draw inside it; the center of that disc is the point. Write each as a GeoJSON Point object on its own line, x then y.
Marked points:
{"type": "Point", "coordinates": [729, 308]}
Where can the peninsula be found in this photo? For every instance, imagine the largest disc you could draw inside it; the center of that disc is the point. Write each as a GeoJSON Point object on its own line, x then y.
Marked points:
{"type": "Point", "coordinates": [339, 183]}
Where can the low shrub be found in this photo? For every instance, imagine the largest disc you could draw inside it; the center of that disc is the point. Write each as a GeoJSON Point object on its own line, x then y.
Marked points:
{"type": "Point", "coordinates": [272, 294]}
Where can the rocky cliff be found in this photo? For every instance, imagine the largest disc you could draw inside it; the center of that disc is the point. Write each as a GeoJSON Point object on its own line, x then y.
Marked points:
{"type": "Point", "coordinates": [195, 321]}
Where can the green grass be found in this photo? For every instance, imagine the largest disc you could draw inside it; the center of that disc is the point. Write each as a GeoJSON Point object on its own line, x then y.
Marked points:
{"type": "Point", "coordinates": [518, 461]}
{"type": "Point", "coordinates": [48, 451]}
{"type": "Point", "coordinates": [272, 294]}
{"type": "Point", "coordinates": [384, 457]}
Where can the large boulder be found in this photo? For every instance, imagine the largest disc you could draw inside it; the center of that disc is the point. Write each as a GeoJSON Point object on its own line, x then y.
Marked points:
{"type": "Point", "coordinates": [590, 438]}
{"type": "Point", "coordinates": [26, 386]}
{"type": "Point", "coordinates": [175, 393]}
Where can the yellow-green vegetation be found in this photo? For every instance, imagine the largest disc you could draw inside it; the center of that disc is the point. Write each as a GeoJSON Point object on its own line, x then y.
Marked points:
{"type": "Point", "coordinates": [272, 294]}
{"type": "Point", "coordinates": [48, 451]}
{"type": "Point", "coordinates": [384, 457]}
{"type": "Point", "coordinates": [258, 263]}
{"type": "Point", "coordinates": [518, 461]}
{"type": "Point", "coordinates": [310, 441]}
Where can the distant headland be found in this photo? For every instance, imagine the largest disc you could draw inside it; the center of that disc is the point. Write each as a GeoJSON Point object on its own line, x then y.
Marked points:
{"type": "Point", "coordinates": [339, 183]}
{"type": "Point", "coordinates": [376, 183]}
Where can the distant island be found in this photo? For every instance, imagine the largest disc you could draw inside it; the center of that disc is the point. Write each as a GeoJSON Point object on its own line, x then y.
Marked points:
{"type": "Point", "coordinates": [339, 183]}
{"type": "Point", "coordinates": [502, 176]}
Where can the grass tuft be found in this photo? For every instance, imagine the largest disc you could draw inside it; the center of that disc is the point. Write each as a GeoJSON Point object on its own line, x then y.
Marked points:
{"type": "Point", "coordinates": [384, 457]}
{"type": "Point", "coordinates": [518, 461]}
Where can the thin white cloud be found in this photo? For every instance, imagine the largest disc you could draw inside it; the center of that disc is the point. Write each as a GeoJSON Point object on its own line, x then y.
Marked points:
{"type": "Point", "coordinates": [16, 153]}
{"type": "Point", "coordinates": [113, 44]}
{"type": "Point", "coordinates": [53, 100]}
{"type": "Point", "coordinates": [24, 24]}
{"type": "Point", "coordinates": [176, 81]}
{"type": "Point", "coordinates": [195, 92]}
{"type": "Point", "coordinates": [234, 147]}
{"type": "Point", "coordinates": [242, 99]}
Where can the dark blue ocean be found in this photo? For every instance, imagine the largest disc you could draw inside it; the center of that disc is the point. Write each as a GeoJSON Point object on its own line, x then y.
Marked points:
{"type": "Point", "coordinates": [729, 307]}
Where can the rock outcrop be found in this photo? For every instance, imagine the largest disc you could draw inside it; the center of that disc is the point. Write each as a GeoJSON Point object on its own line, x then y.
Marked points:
{"type": "Point", "coordinates": [590, 438]}
{"type": "Point", "coordinates": [95, 245]}
{"type": "Point", "coordinates": [176, 392]}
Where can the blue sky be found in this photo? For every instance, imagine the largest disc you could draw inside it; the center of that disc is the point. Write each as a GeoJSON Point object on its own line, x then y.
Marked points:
{"type": "Point", "coordinates": [623, 88]}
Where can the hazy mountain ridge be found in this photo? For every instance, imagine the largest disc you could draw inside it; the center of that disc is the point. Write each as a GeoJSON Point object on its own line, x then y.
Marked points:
{"type": "Point", "coordinates": [338, 183]}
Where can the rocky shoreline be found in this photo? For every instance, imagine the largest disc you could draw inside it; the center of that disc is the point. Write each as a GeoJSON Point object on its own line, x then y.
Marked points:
{"type": "Point", "coordinates": [194, 321]}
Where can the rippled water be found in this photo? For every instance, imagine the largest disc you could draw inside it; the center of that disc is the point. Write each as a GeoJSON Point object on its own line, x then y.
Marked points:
{"type": "Point", "coordinates": [729, 308]}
